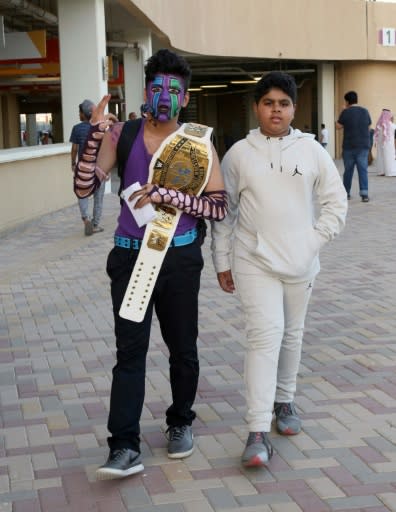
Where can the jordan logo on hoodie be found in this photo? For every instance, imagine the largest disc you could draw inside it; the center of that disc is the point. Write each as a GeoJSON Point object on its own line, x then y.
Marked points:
{"type": "Point", "coordinates": [296, 171]}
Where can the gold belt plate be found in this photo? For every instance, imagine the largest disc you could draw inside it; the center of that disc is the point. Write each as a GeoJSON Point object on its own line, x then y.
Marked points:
{"type": "Point", "coordinates": [162, 225]}
{"type": "Point", "coordinates": [157, 240]}
{"type": "Point", "coordinates": [182, 165]}
{"type": "Point", "coordinates": [165, 216]}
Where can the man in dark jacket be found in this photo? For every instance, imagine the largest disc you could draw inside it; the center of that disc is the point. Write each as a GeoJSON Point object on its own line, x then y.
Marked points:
{"type": "Point", "coordinates": [355, 121]}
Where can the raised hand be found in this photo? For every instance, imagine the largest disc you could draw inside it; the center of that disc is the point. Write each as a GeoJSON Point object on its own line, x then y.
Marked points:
{"type": "Point", "coordinates": [98, 112]}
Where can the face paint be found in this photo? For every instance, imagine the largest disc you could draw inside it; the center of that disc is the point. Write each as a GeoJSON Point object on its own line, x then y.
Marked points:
{"type": "Point", "coordinates": [165, 95]}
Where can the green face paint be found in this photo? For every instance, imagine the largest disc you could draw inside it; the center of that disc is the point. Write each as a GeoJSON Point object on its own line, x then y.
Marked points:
{"type": "Point", "coordinates": [165, 95]}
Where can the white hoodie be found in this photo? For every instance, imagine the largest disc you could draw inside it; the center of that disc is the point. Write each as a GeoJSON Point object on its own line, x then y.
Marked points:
{"type": "Point", "coordinates": [271, 185]}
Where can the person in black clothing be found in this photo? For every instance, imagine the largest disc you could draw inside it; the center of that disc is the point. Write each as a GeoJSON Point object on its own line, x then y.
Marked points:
{"type": "Point", "coordinates": [356, 121]}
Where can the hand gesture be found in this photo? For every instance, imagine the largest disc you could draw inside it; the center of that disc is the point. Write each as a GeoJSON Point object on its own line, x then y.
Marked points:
{"type": "Point", "coordinates": [143, 194]}
{"type": "Point", "coordinates": [98, 112]}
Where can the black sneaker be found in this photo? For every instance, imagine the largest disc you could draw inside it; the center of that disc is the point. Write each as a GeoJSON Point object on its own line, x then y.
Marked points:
{"type": "Point", "coordinates": [121, 463]}
{"type": "Point", "coordinates": [181, 442]}
{"type": "Point", "coordinates": [288, 422]}
{"type": "Point", "coordinates": [348, 196]}
{"type": "Point", "coordinates": [258, 450]}
{"type": "Point", "coordinates": [365, 199]}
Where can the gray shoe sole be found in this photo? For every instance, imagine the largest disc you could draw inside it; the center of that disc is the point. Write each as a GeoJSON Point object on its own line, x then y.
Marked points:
{"type": "Point", "coordinates": [110, 474]}
{"type": "Point", "coordinates": [181, 455]}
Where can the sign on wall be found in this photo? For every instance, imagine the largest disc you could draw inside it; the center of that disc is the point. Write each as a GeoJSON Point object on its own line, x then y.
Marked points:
{"type": "Point", "coordinates": [387, 36]}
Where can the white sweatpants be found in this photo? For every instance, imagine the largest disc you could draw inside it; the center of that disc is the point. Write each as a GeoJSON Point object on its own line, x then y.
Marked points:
{"type": "Point", "coordinates": [275, 312]}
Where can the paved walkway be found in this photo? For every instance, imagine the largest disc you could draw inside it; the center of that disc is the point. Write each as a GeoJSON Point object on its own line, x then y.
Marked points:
{"type": "Point", "coordinates": [57, 351]}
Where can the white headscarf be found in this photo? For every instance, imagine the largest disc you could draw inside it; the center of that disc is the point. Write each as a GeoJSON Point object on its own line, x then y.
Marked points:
{"type": "Point", "coordinates": [383, 125]}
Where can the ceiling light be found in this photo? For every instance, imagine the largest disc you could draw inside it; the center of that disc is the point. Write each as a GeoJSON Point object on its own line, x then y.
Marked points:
{"type": "Point", "coordinates": [194, 89]}
{"type": "Point", "coordinates": [217, 86]}
{"type": "Point", "coordinates": [243, 82]}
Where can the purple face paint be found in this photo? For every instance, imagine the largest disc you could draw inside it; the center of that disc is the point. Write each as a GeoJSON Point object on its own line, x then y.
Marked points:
{"type": "Point", "coordinates": [165, 95]}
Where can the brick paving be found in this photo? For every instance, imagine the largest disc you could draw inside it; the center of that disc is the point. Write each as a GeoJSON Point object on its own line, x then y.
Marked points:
{"type": "Point", "coordinates": [57, 352]}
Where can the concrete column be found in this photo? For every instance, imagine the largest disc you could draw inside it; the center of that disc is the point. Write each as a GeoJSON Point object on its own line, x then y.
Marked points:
{"type": "Point", "coordinates": [134, 61]}
{"type": "Point", "coordinates": [11, 124]}
{"type": "Point", "coordinates": [57, 127]}
{"type": "Point", "coordinates": [31, 128]}
{"type": "Point", "coordinates": [1, 123]}
{"type": "Point", "coordinates": [326, 102]}
{"type": "Point", "coordinates": [82, 39]}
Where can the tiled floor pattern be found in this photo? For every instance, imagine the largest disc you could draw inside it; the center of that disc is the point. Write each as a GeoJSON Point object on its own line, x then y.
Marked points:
{"type": "Point", "coordinates": [57, 351]}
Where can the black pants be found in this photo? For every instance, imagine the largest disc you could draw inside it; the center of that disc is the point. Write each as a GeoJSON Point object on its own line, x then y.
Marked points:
{"type": "Point", "coordinates": [175, 300]}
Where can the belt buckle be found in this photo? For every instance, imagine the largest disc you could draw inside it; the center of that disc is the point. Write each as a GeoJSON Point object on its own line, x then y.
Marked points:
{"type": "Point", "coordinates": [157, 240]}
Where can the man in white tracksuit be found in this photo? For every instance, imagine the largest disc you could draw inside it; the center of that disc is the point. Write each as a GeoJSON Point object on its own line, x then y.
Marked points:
{"type": "Point", "coordinates": [268, 250]}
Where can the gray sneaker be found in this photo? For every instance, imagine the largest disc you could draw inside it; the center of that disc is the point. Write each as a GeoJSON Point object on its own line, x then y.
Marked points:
{"type": "Point", "coordinates": [258, 450]}
{"type": "Point", "coordinates": [288, 422]}
{"type": "Point", "coordinates": [121, 463]}
{"type": "Point", "coordinates": [180, 442]}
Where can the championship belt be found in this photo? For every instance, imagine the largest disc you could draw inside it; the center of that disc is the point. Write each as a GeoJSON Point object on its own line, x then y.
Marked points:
{"type": "Point", "coordinates": [182, 162]}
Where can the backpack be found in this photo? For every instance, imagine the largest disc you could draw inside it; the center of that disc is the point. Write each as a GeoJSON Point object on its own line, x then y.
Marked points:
{"type": "Point", "coordinates": [125, 142]}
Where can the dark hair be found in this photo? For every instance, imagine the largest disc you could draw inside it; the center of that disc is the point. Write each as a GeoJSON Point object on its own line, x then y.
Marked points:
{"type": "Point", "coordinates": [276, 80]}
{"type": "Point", "coordinates": [351, 97]}
{"type": "Point", "coordinates": [165, 61]}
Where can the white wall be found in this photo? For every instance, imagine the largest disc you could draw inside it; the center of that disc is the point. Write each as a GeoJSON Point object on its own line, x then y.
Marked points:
{"type": "Point", "coordinates": [36, 181]}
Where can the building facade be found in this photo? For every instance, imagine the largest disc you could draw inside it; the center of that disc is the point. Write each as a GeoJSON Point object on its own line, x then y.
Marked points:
{"type": "Point", "coordinates": [94, 46]}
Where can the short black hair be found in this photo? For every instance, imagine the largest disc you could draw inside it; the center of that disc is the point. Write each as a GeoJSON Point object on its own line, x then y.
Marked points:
{"type": "Point", "coordinates": [165, 61]}
{"type": "Point", "coordinates": [351, 97]}
{"type": "Point", "coordinates": [276, 80]}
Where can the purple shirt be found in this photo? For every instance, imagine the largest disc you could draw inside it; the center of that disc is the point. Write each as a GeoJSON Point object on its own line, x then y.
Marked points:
{"type": "Point", "coordinates": [137, 169]}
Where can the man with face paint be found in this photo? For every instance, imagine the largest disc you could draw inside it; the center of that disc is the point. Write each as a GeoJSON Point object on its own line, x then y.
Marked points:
{"type": "Point", "coordinates": [174, 295]}
{"type": "Point", "coordinates": [165, 96]}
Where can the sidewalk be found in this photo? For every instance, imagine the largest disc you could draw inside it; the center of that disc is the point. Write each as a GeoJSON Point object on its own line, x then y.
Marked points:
{"type": "Point", "coordinates": [57, 352]}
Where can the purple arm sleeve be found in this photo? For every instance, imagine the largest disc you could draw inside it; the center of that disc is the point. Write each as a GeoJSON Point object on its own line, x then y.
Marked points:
{"type": "Point", "coordinates": [86, 179]}
{"type": "Point", "coordinates": [210, 205]}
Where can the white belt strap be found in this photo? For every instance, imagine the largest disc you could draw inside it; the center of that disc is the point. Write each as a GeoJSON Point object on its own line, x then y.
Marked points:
{"type": "Point", "coordinates": [182, 162]}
